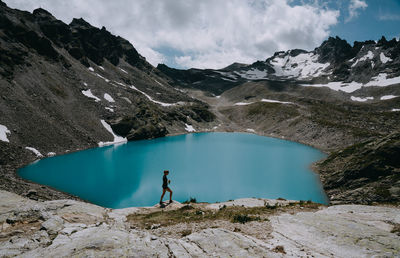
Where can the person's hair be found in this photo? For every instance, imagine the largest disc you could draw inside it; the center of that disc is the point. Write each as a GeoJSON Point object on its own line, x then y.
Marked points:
{"type": "Point", "coordinates": [166, 171]}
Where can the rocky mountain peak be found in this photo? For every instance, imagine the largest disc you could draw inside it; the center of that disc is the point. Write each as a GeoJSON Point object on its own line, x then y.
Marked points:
{"type": "Point", "coordinates": [334, 50]}
{"type": "Point", "coordinates": [43, 14]}
{"type": "Point", "coordinates": [2, 4]}
{"type": "Point", "coordinates": [80, 23]}
{"type": "Point", "coordinates": [234, 66]}
{"type": "Point", "coordinates": [296, 52]}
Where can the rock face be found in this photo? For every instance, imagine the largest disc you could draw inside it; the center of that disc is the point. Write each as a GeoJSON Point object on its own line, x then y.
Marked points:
{"type": "Point", "coordinates": [66, 228]}
{"type": "Point", "coordinates": [363, 173]}
{"type": "Point", "coordinates": [137, 128]}
{"type": "Point", "coordinates": [338, 231]}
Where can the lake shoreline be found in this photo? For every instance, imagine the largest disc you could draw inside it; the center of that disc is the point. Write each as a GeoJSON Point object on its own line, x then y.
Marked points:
{"type": "Point", "coordinates": [247, 149]}
{"type": "Point", "coordinates": [51, 193]}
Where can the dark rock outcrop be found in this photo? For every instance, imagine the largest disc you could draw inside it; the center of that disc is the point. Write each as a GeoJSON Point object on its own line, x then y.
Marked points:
{"type": "Point", "coordinates": [365, 172]}
{"type": "Point", "coordinates": [334, 50]}
{"type": "Point", "coordinates": [134, 128]}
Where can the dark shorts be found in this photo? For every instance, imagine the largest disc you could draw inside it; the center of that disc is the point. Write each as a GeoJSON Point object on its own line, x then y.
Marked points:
{"type": "Point", "coordinates": [164, 186]}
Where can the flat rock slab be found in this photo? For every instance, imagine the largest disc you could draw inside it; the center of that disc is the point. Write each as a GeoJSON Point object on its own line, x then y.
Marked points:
{"type": "Point", "coordinates": [67, 228]}
{"type": "Point", "coordinates": [339, 231]}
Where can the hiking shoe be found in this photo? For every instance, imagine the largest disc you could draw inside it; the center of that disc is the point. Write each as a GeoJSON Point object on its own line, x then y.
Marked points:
{"type": "Point", "coordinates": [171, 201]}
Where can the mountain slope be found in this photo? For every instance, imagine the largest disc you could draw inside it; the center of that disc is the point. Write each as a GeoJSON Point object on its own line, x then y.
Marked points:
{"type": "Point", "coordinates": [62, 87]}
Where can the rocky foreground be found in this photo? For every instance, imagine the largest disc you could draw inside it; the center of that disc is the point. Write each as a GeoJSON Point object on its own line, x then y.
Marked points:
{"type": "Point", "coordinates": [71, 228]}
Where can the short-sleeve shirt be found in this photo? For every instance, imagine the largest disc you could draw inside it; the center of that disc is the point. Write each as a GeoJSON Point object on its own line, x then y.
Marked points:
{"type": "Point", "coordinates": [165, 181]}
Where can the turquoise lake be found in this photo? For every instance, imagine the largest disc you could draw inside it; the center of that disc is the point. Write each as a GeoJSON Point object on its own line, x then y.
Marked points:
{"type": "Point", "coordinates": [211, 167]}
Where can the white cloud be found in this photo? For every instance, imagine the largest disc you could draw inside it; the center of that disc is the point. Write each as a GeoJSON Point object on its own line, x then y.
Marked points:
{"type": "Point", "coordinates": [203, 34]}
{"type": "Point", "coordinates": [354, 7]}
{"type": "Point", "coordinates": [389, 17]}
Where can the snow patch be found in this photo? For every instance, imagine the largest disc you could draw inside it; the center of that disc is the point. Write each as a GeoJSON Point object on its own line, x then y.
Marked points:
{"type": "Point", "coordinates": [388, 97]}
{"type": "Point", "coordinates": [303, 66]}
{"type": "Point", "coordinates": [117, 139]}
{"type": "Point", "coordinates": [338, 86]}
{"type": "Point", "coordinates": [159, 83]}
{"type": "Point", "coordinates": [121, 84]}
{"type": "Point", "coordinates": [109, 109]}
{"type": "Point", "coordinates": [3, 133]}
{"type": "Point", "coordinates": [243, 103]}
{"type": "Point", "coordinates": [361, 99]}
{"type": "Point", "coordinates": [218, 97]}
{"type": "Point", "coordinates": [85, 84]}
{"type": "Point", "coordinates": [108, 97]}
{"type": "Point", "coordinates": [51, 154]}
{"type": "Point", "coordinates": [229, 80]}
{"type": "Point", "coordinates": [275, 101]}
{"type": "Point", "coordinates": [379, 80]}
{"type": "Point", "coordinates": [395, 109]}
{"type": "Point", "coordinates": [101, 67]}
{"type": "Point", "coordinates": [250, 130]}
{"type": "Point", "coordinates": [369, 55]}
{"type": "Point", "coordinates": [228, 75]}
{"type": "Point", "coordinates": [105, 79]}
{"type": "Point", "coordinates": [151, 99]}
{"type": "Point", "coordinates": [88, 93]}
{"type": "Point", "coordinates": [91, 69]}
{"type": "Point", "coordinates": [253, 74]}
{"type": "Point", "coordinates": [123, 70]}
{"type": "Point", "coordinates": [35, 151]}
{"type": "Point", "coordinates": [385, 59]}
{"type": "Point", "coordinates": [189, 128]}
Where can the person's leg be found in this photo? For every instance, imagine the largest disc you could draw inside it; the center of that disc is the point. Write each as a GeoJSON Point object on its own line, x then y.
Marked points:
{"type": "Point", "coordinates": [170, 194]}
{"type": "Point", "coordinates": [163, 193]}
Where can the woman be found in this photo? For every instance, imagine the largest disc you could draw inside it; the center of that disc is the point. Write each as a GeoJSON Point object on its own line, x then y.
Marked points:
{"type": "Point", "coordinates": [165, 187]}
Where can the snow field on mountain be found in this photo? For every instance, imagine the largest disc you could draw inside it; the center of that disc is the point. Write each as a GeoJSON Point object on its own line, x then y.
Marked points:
{"type": "Point", "coordinates": [35, 151]}
{"type": "Point", "coordinates": [105, 79]}
{"type": "Point", "coordinates": [275, 101]}
{"type": "Point", "coordinates": [380, 80]}
{"type": "Point", "coordinates": [123, 70]}
{"type": "Point", "coordinates": [151, 99]}
{"type": "Point", "coordinates": [384, 59]}
{"type": "Point", "coordinates": [361, 99]}
{"type": "Point", "coordinates": [303, 66]}
{"type": "Point", "coordinates": [386, 97]}
{"type": "Point", "coordinates": [108, 97]}
{"type": "Point", "coordinates": [253, 74]}
{"type": "Point", "coordinates": [88, 93]}
{"type": "Point", "coordinates": [369, 55]}
{"type": "Point", "coordinates": [262, 100]}
{"type": "Point", "coordinates": [3, 133]}
{"type": "Point", "coordinates": [189, 128]}
{"type": "Point", "coordinates": [117, 139]}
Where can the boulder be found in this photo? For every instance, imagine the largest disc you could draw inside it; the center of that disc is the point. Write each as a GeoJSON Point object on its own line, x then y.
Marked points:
{"type": "Point", "coordinates": [53, 225]}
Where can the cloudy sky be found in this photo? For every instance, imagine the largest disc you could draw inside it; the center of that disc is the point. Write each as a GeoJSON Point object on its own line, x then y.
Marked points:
{"type": "Point", "coordinates": [216, 33]}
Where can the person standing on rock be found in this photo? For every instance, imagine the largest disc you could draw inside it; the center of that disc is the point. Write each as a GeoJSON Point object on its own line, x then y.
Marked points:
{"type": "Point", "coordinates": [165, 187]}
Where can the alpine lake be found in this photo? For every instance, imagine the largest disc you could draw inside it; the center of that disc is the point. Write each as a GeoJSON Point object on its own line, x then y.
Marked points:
{"type": "Point", "coordinates": [211, 167]}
